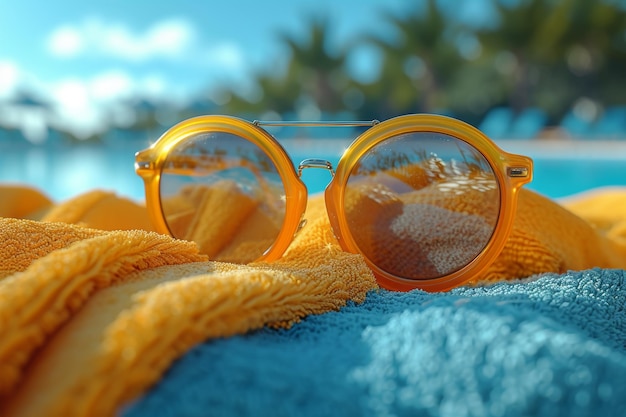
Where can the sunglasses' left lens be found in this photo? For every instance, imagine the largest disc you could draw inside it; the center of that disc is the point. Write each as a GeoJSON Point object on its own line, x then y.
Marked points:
{"type": "Point", "coordinates": [225, 193]}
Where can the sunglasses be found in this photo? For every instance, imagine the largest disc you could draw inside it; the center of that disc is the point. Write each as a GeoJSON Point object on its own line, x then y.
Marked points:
{"type": "Point", "coordinates": [427, 200]}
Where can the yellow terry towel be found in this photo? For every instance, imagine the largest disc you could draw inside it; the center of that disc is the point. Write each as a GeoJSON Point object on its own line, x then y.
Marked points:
{"type": "Point", "coordinates": [91, 315]}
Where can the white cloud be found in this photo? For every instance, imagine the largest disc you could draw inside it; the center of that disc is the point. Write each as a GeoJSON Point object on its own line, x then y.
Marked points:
{"type": "Point", "coordinates": [66, 41]}
{"type": "Point", "coordinates": [85, 103]}
{"type": "Point", "coordinates": [168, 38]}
{"type": "Point", "coordinates": [9, 78]}
{"type": "Point", "coordinates": [118, 85]}
{"type": "Point", "coordinates": [154, 86]}
{"type": "Point", "coordinates": [83, 106]}
{"type": "Point", "coordinates": [112, 85]}
{"type": "Point", "coordinates": [103, 88]}
{"type": "Point", "coordinates": [75, 109]}
{"type": "Point", "coordinates": [71, 93]}
{"type": "Point", "coordinates": [172, 39]}
{"type": "Point", "coordinates": [226, 55]}
{"type": "Point", "coordinates": [86, 106]}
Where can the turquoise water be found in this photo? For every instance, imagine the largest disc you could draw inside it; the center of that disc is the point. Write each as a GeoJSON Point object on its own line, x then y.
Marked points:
{"type": "Point", "coordinates": [65, 172]}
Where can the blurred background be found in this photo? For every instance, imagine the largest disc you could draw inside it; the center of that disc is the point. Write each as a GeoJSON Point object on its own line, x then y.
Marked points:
{"type": "Point", "coordinates": [84, 85]}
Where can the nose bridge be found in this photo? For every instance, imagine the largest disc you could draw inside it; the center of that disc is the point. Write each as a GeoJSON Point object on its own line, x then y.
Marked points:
{"type": "Point", "coordinates": [315, 163]}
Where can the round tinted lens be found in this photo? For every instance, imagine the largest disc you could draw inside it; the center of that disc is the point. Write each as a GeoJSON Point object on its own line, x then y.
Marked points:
{"type": "Point", "coordinates": [422, 205]}
{"type": "Point", "coordinates": [224, 193]}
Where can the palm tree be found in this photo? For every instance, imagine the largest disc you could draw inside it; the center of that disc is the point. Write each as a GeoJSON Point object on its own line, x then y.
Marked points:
{"type": "Point", "coordinates": [593, 46]}
{"type": "Point", "coordinates": [562, 50]}
{"type": "Point", "coordinates": [542, 53]}
{"type": "Point", "coordinates": [315, 68]}
{"type": "Point", "coordinates": [420, 64]}
{"type": "Point", "coordinates": [312, 73]}
{"type": "Point", "coordinates": [523, 33]}
{"type": "Point", "coordinates": [277, 94]}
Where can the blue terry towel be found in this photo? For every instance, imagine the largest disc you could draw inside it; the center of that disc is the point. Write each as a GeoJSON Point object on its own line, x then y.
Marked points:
{"type": "Point", "coordinates": [553, 346]}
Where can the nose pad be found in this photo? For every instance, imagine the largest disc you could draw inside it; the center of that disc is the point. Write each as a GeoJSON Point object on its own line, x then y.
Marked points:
{"type": "Point", "coordinates": [335, 233]}
{"type": "Point", "coordinates": [315, 163]}
{"type": "Point", "coordinates": [312, 163]}
{"type": "Point", "coordinates": [301, 225]}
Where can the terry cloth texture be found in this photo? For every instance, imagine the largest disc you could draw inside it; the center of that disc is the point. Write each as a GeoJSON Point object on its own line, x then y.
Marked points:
{"type": "Point", "coordinates": [555, 346]}
{"type": "Point", "coordinates": [91, 318]}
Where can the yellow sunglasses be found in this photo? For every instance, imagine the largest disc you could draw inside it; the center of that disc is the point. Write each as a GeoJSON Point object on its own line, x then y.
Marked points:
{"type": "Point", "coordinates": [429, 201]}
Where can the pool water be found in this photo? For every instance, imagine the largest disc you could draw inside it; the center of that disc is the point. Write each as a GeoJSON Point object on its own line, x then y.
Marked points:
{"type": "Point", "coordinates": [559, 178]}
{"type": "Point", "coordinates": [554, 178]}
{"type": "Point", "coordinates": [561, 168]}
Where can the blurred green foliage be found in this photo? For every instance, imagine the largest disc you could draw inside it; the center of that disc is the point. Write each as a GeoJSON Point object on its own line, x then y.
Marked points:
{"type": "Point", "coordinates": [536, 53]}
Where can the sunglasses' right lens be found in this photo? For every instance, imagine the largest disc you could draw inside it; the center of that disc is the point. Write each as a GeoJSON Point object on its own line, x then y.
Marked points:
{"type": "Point", "coordinates": [224, 193]}
{"type": "Point", "coordinates": [422, 205]}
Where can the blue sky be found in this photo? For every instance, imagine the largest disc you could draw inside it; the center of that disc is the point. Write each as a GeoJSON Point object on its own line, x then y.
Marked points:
{"type": "Point", "coordinates": [81, 55]}
{"type": "Point", "coordinates": [182, 44]}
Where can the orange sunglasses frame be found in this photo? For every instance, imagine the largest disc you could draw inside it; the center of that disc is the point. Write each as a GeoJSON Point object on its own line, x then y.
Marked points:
{"type": "Point", "coordinates": [511, 171]}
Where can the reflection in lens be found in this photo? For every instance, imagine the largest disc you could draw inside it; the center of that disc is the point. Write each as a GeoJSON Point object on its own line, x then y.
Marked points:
{"type": "Point", "coordinates": [224, 193]}
{"type": "Point", "coordinates": [422, 205]}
